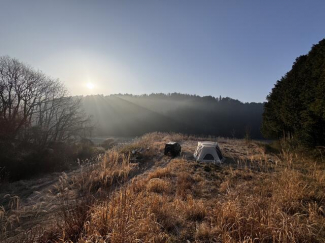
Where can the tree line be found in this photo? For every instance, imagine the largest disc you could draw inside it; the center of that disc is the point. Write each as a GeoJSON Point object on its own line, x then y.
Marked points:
{"type": "Point", "coordinates": [295, 108]}
{"type": "Point", "coordinates": [134, 115]}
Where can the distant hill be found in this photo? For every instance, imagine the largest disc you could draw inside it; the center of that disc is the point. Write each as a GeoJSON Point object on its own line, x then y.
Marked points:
{"type": "Point", "coordinates": [133, 115]}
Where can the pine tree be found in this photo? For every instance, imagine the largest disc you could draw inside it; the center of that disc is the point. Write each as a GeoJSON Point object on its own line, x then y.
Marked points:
{"type": "Point", "coordinates": [295, 108]}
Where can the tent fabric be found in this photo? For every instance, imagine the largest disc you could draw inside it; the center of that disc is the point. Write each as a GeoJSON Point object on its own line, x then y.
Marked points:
{"type": "Point", "coordinates": [208, 152]}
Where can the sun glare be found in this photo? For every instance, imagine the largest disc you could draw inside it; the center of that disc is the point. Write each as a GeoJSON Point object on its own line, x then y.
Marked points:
{"type": "Point", "coordinates": [90, 85]}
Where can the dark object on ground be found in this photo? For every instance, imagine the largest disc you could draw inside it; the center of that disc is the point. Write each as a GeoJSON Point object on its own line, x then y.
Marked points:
{"type": "Point", "coordinates": [173, 149]}
{"type": "Point", "coordinates": [138, 154]}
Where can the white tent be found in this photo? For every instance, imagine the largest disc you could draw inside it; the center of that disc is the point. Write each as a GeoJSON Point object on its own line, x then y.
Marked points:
{"type": "Point", "coordinates": [208, 152]}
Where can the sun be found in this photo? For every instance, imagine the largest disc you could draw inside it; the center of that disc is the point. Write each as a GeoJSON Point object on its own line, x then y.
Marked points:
{"type": "Point", "coordinates": [90, 85]}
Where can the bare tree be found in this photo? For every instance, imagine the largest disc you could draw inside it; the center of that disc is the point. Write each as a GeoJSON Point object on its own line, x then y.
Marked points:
{"type": "Point", "coordinates": [36, 108]}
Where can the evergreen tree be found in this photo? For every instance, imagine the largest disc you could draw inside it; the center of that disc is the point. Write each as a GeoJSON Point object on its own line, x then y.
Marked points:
{"type": "Point", "coordinates": [295, 108]}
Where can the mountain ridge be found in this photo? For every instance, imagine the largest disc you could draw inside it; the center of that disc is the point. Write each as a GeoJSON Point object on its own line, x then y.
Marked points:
{"type": "Point", "coordinates": [134, 115]}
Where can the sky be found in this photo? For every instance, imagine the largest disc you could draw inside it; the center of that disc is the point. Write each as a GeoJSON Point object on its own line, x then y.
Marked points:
{"type": "Point", "coordinates": [236, 49]}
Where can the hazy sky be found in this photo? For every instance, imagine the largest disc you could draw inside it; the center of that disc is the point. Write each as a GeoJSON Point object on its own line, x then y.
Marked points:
{"type": "Point", "coordinates": [230, 48]}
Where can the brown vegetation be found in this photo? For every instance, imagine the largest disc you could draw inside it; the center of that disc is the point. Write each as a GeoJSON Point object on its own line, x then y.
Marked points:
{"type": "Point", "coordinates": [252, 197]}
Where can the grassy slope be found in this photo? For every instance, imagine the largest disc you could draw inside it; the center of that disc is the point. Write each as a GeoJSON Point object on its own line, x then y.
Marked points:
{"type": "Point", "coordinates": [252, 197]}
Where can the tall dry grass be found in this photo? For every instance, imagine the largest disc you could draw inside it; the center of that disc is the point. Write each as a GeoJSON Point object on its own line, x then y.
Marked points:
{"type": "Point", "coordinates": [257, 199]}
{"type": "Point", "coordinates": [254, 197]}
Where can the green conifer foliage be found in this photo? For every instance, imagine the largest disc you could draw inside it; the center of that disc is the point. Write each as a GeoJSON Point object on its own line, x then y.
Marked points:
{"type": "Point", "coordinates": [295, 108]}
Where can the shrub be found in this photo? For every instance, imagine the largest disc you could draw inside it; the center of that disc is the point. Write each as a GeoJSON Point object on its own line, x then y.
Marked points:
{"type": "Point", "coordinates": [108, 143]}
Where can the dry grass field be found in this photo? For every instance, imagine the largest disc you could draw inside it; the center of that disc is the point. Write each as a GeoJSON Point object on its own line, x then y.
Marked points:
{"type": "Point", "coordinates": [253, 196]}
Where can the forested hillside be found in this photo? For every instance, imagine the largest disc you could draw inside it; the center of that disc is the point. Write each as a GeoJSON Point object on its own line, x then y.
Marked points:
{"type": "Point", "coordinates": [296, 105]}
{"type": "Point", "coordinates": [130, 115]}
